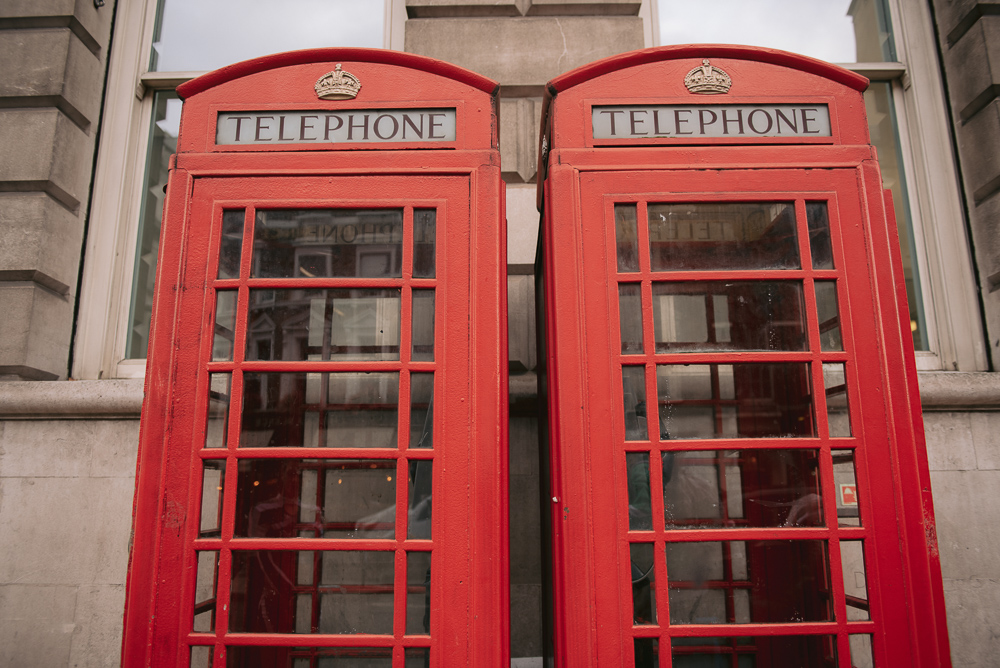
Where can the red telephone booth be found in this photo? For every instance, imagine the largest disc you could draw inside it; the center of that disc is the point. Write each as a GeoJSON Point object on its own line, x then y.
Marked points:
{"type": "Point", "coordinates": [322, 467]}
{"type": "Point", "coordinates": [737, 468]}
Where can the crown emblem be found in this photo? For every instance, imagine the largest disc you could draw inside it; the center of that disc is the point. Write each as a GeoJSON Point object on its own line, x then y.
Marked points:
{"type": "Point", "coordinates": [337, 85]}
{"type": "Point", "coordinates": [707, 80]}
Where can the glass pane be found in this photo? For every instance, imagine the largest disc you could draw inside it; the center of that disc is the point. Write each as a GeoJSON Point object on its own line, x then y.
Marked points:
{"type": "Point", "coordinates": [225, 325]}
{"type": "Point", "coordinates": [320, 243]}
{"type": "Point", "coordinates": [417, 657]}
{"type": "Point", "coordinates": [640, 514]}
{"type": "Point", "coordinates": [722, 236]}
{"type": "Point", "coordinates": [421, 410]}
{"type": "Point", "coordinates": [634, 393]}
{"type": "Point", "coordinates": [852, 557]}
{"type": "Point", "coordinates": [281, 498]}
{"type": "Point", "coordinates": [742, 488]}
{"type": "Point", "coordinates": [304, 657]}
{"type": "Point", "coordinates": [323, 325]}
{"type": "Point", "coordinates": [213, 484]}
{"type": "Point", "coordinates": [424, 242]}
{"type": "Point", "coordinates": [838, 413]}
{"type": "Point", "coordinates": [201, 656]}
{"type": "Point", "coordinates": [730, 315]}
{"type": "Point", "coordinates": [861, 651]}
{"type": "Point", "coordinates": [418, 593]}
{"type": "Point", "coordinates": [627, 237]}
{"type": "Point", "coordinates": [162, 143]}
{"type": "Point", "coordinates": [204, 591]}
{"type": "Point", "coordinates": [643, 583]}
{"type": "Point", "coordinates": [734, 400]}
{"type": "Point", "coordinates": [336, 410]}
{"type": "Point", "coordinates": [349, 592]}
{"type": "Point", "coordinates": [818, 218]}
{"type": "Point", "coordinates": [838, 31]}
{"type": "Point", "coordinates": [420, 493]}
{"type": "Point", "coordinates": [630, 317]}
{"type": "Point", "coordinates": [217, 423]}
{"type": "Point", "coordinates": [191, 35]}
{"type": "Point", "coordinates": [647, 651]}
{"type": "Point", "coordinates": [884, 135]}
{"type": "Point", "coordinates": [231, 245]}
{"type": "Point", "coordinates": [845, 479]}
{"type": "Point", "coordinates": [422, 332]}
{"type": "Point", "coordinates": [830, 338]}
{"type": "Point", "coordinates": [784, 582]}
{"type": "Point", "coordinates": [755, 652]}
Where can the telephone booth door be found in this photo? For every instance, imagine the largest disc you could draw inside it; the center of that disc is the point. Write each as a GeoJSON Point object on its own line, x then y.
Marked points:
{"type": "Point", "coordinates": [736, 460]}
{"type": "Point", "coordinates": [322, 468]}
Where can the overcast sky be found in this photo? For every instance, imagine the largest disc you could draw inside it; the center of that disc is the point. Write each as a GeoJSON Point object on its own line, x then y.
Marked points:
{"type": "Point", "coordinates": [817, 28]}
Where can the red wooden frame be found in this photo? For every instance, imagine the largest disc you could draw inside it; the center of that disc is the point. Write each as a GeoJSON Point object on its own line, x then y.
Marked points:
{"type": "Point", "coordinates": [460, 180]}
{"type": "Point", "coordinates": [589, 486]}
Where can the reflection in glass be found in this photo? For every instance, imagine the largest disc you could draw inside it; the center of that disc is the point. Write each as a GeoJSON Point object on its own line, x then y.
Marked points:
{"type": "Point", "coordinates": [324, 324]}
{"type": "Point", "coordinates": [225, 325]}
{"type": "Point", "coordinates": [417, 657]}
{"type": "Point", "coordinates": [343, 498]}
{"type": "Point", "coordinates": [204, 591]}
{"type": "Point", "coordinates": [201, 656]}
{"type": "Point", "coordinates": [321, 243]}
{"type": "Point", "coordinates": [424, 238]}
{"type": "Point", "coordinates": [742, 488]}
{"type": "Point", "coordinates": [778, 581]}
{"type": "Point", "coordinates": [420, 495]}
{"type": "Point", "coordinates": [627, 237]}
{"type": "Point", "coordinates": [422, 331]}
{"type": "Point", "coordinates": [751, 400]}
{"type": "Point", "coordinates": [231, 245]}
{"type": "Point", "coordinates": [336, 410]}
{"type": "Point", "coordinates": [421, 410]}
{"type": "Point", "coordinates": [347, 591]}
{"type": "Point", "coordinates": [755, 652]}
{"type": "Point", "coordinates": [830, 338]}
{"type": "Point", "coordinates": [213, 484]}
{"type": "Point", "coordinates": [845, 479]}
{"type": "Point", "coordinates": [640, 514]}
{"type": "Point", "coordinates": [728, 315]}
{"type": "Point", "coordinates": [722, 236]}
{"type": "Point", "coordinates": [838, 414]}
{"type": "Point", "coordinates": [241, 656]}
{"type": "Point", "coordinates": [852, 559]}
{"type": "Point", "coordinates": [647, 651]}
{"type": "Point", "coordinates": [861, 651]}
{"type": "Point", "coordinates": [634, 393]}
{"type": "Point", "coordinates": [818, 218]}
{"type": "Point", "coordinates": [217, 422]}
{"type": "Point", "coordinates": [630, 317]}
{"type": "Point", "coordinates": [643, 583]}
{"type": "Point", "coordinates": [418, 593]}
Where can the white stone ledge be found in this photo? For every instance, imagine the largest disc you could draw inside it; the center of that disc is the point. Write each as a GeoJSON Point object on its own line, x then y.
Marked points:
{"type": "Point", "coordinates": [71, 399]}
{"type": "Point", "coordinates": [959, 390]}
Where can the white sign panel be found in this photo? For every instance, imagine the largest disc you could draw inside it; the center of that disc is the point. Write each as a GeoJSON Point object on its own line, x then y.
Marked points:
{"type": "Point", "coordinates": [682, 121]}
{"type": "Point", "coordinates": [335, 127]}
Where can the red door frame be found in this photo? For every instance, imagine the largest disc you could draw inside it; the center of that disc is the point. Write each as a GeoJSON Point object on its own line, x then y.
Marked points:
{"type": "Point", "coordinates": [460, 179]}
{"type": "Point", "coordinates": [583, 179]}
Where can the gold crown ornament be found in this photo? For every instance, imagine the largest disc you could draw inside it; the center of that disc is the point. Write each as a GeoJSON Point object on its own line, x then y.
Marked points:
{"type": "Point", "coordinates": [707, 80]}
{"type": "Point", "coordinates": [337, 85]}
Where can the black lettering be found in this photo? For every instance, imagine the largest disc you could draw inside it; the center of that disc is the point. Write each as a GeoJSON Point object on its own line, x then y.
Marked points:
{"type": "Point", "coordinates": [806, 120]}
{"type": "Point", "coordinates": [791, 123]}
{"type": "Point", "coordinates": [611, 116]}
{"type": "Point", "coordinates": [678, 120]}
{"type": "Point", "coordinates": [351, 127]}
{"type": "Point", "coordinates": [431, 124]}
{"type": "Point", "coordinates": [701, 119]}
{"type": "Point", "coordinates": [770, 121]}
{"type": "Point", "coordinates": [239, 122]}
{"type": "Point", "coordinates": [395, 127]}
{"type": "Point", "coordinates": [260, 127]}
{"type": "Point", "coordinates": [407, 120]}
{"type": "Point", "coordinates": [328, 129]}
{"type": "Point", "coordinates": [656, 123]}
{"type": "Point", "coordinates": [726, 121]}
{"type": "Point", "coordinates": [635, 122]}
{"type": "Point", "coordinates": [281, 130]}
{"type": "Point", "coordinates": [343, 233]}
{"type": "Point", "coordinates": [303, 127]}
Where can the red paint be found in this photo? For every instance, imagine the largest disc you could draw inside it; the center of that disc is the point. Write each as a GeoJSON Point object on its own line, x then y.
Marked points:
{"type": "Point", "coordinates": [592, 569]}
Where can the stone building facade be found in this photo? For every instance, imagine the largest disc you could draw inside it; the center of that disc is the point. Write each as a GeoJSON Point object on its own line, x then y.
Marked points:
{"type": "Point", "coordinates": [73, 103]}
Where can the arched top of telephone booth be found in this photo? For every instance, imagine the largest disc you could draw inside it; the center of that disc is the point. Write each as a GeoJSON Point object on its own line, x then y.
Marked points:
{"type": "Point", "coordinates": [289, 95]}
